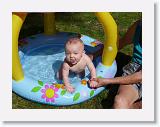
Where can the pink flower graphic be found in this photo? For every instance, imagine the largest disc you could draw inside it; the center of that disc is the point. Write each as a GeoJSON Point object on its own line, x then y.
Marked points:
{"type": "Point", "coordinates": [49, 93]}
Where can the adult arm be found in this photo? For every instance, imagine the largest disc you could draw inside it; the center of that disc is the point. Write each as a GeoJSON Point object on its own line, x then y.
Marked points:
{"type": "Point", "coordinates": [124, 80]}
{"type": "Point", "coordinates": [127, 38]}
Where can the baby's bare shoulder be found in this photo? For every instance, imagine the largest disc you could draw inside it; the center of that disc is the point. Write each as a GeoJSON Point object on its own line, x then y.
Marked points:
{"type": "Point", "coordinates": [86, 57]}
{"type": "Point", "coordinates": [65, 65]}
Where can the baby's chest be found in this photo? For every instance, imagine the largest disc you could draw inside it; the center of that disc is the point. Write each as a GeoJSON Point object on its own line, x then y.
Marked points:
{"type": "Point", "coordinates": [78, 67]}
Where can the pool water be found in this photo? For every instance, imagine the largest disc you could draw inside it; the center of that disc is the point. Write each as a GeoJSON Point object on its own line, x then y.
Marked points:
{"type": "Point", "coordinates": [42, 63]}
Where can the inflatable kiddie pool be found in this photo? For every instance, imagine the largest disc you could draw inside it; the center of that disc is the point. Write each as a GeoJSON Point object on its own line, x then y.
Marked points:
{"type": "Point", "coordinates": [39, 57]}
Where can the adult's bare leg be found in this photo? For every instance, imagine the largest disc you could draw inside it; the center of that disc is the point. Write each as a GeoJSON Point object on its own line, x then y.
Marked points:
{"type": "Point", "coordinates": [125, 97]}
{"type": "Point", "coordinates": [137, 105]}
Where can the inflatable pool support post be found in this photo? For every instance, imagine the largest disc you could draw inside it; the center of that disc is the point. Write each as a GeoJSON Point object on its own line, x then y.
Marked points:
{"type": "Point", "coordinates": [17, 21]}
{"type": "Point", "coordinates": [110, 45]}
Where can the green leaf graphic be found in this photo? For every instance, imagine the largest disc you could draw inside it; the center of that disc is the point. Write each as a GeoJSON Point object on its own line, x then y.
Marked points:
{"type": "Point", "coordinates": [91, 93]}
{"type": "Point", "coordinates": [99, 77]}
{"type": "Point", "coordinates": [40, 83]}
{"type": "Point", "coordinates": [36, 89]}
{"type": "Point", "coordinates": [63, 92]}
{"type": "Point", "coordinates": [76, 96]}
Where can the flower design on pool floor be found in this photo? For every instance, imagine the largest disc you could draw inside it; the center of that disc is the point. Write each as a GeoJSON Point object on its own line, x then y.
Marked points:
{"type": "Point", "coordinates": [59, 85]}
{"type": "Point", "coordinates": [84, 82]}
{"type": "Point", "coordinates": [49, 93]}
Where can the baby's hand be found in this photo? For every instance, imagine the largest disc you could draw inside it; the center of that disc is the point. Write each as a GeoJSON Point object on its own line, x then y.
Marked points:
{"type": "Point", "coordinates": [69, 88]}
{"type": "Point", "coordinates": [93, 83]}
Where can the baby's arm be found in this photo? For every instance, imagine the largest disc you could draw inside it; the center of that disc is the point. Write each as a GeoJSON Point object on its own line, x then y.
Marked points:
{"type": "Point", "coordinates": [92, 70]}
{"type": "Point", "coordinates": [65, 73]}
{"type": "Point", "coordinates": [91, 67]}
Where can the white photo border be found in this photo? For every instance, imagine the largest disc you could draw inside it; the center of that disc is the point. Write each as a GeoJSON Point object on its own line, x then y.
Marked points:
{"type": "Point", "coordinates": [145, 114]}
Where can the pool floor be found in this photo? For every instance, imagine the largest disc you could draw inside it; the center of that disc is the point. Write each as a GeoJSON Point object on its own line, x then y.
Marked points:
{"type": "Point", "coordinates": [42, 63]}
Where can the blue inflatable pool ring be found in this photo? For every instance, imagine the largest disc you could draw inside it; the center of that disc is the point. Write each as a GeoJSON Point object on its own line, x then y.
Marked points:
{"type": "Point", "coordinates": [41, 56]}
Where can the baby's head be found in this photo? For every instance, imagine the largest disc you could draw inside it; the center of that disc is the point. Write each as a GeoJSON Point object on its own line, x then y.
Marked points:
{"type": "Point", "coordinates": [74, 50]}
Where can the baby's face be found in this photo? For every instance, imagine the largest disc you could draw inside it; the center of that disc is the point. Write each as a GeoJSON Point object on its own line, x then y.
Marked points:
{"type": "Point", "coordinates": [74, 53]}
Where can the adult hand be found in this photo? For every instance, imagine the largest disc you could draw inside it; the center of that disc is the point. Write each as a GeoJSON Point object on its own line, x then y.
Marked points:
{"type": "Point", "coordinates": [100, 82]}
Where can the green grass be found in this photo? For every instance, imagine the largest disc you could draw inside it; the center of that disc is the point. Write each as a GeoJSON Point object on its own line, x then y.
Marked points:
{"type": "Point", "coordinates": [84, 23]}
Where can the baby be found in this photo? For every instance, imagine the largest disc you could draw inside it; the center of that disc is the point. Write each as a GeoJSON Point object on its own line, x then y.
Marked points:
{"type": "Point", "coordinates": [75, 61]}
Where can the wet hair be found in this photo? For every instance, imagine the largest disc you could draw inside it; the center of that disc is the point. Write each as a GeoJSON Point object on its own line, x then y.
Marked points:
{"type": "Point", "coordinates": [74, 40]}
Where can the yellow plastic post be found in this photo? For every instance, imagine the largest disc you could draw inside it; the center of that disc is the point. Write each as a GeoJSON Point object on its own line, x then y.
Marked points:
{"type": "Point", "coordinates": [111, 37]}
{"type": "Point", "coordinates": [49, 23]}
{"type": "Point", "coordinates": [17, 21]}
